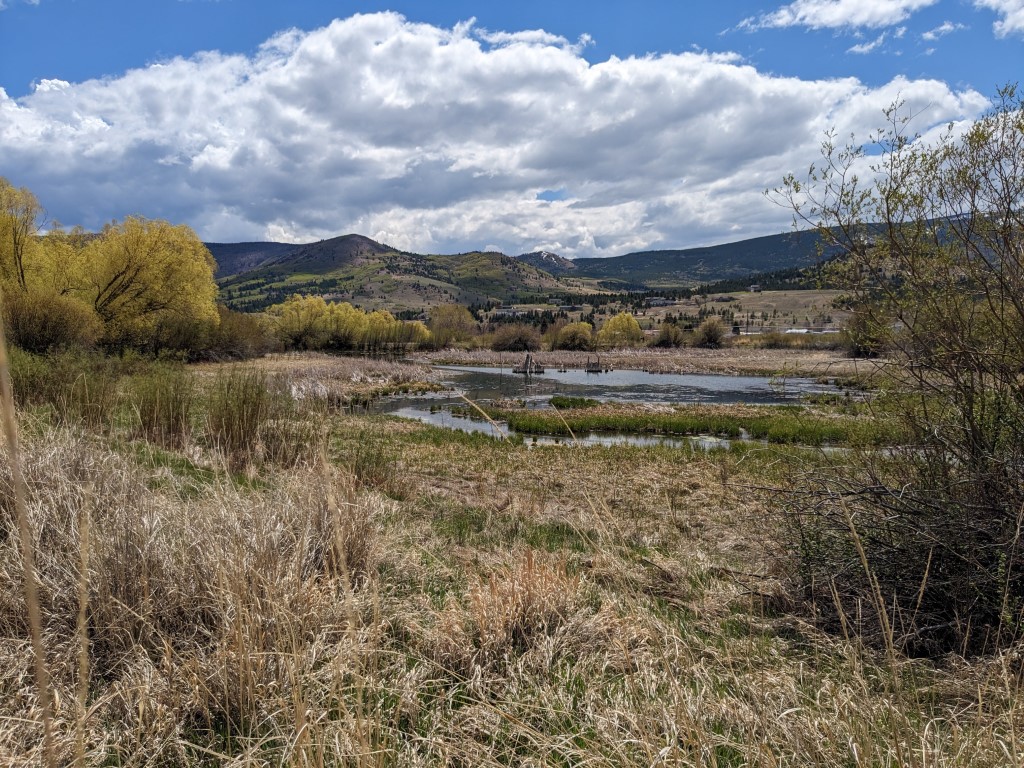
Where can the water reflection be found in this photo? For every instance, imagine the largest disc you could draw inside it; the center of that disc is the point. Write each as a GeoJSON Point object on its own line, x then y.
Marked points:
{"type": "Point", "coordinates": [630, 386]}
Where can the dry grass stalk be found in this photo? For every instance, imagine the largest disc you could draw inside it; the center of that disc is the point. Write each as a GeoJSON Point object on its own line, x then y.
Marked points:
{"type": "Point", "coordinates": [30, 581]}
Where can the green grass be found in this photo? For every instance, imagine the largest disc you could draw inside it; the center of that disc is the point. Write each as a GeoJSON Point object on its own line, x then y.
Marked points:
{"type": "Point", "coordinates": [781, 425]}
{"type": "Point", "coordinates": [564, 401]}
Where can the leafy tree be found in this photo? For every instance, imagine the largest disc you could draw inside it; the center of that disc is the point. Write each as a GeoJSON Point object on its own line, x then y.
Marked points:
{"type": "Point", "coordinates": [450, 323]}
{"type": "Point", "coordinates": [19, 223]}
{"type": "Point", "coordinates": [60, 262]}
{"type": "Point", "coordinates": [346, 326]}
{"type": "Point", "coordinates": [141, 271]}
{"type": "Point", "coordinates": [578, 336]}
{"type": "Point", "coordinates": [382, 330]}
{"type": "Point", "coordinates": [623, 330]}
{"type": "Point", "coordinates": [932, 246]}
{"type": "Point", "coordinates": [302, 322]}
{"type": "Point", "coordinates": [415, 333]}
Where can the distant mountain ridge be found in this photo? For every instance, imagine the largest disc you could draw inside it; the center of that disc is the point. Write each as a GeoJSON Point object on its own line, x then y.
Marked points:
{"type": "Point", "coordinates": [691, 266]}
{"type": "Point", "coordinates": [358, 269]}
{"type": "Point", "coordinates": [233, 258]}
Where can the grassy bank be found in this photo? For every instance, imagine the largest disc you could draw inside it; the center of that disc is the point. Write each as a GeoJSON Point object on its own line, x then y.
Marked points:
{"type": "Point", "coordinates": [405, 595]}
{"type": "Point", "coordinates": [776, 424]}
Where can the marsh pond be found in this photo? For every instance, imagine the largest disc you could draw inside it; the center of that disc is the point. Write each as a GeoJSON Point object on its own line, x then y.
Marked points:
{"type": "Point", "coordinates": [485, 386]}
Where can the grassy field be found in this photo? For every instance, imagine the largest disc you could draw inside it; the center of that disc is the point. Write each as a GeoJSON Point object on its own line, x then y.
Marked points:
{"type": "Point", "coordinates": [253, 578]}
{"type": "Point", "coordinates": [782, 309]}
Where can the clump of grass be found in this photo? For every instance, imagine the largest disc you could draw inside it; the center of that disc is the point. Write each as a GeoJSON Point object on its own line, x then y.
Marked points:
{"type": "Point", "coordinates": [162, 400]}
{"type": "Point", "coordinates": [564, 401]}
{"type": "Point", "coordinates": [511, 610]}
{"type": "Point", "coordinates": [238, 405]}
{"type": "Point", "coordinates": [204, 618]}
{"type": "Point", "coordinates": [375, 463]}
{"type": "Point", "coordinates": [80, 387]}
{"type": "Point", "coordinates": [508, 613]}
{"type": "Point", "coordinates": [252, 418]}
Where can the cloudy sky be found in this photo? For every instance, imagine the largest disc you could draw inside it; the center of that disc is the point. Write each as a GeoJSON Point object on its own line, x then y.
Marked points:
{"type": "Point", "coordinates": [581, 127]}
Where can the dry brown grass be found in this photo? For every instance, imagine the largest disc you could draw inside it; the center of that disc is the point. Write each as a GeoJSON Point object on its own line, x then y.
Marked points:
{"type": "Point", "coordinates": [517, 606]}
{"type": "Point", "coordinates": [336, 378]}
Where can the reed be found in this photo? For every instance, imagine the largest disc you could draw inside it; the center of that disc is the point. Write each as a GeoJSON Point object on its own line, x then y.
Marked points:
{"type": "Point", "coordinates": [163, 400]}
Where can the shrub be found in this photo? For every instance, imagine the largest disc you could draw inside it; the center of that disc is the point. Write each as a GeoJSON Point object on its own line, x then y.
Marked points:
{"type": "Point", "coordinates": [709, 334]}
{"type": "Point", "coordinates": [670, 335]}
{"type": "Point", "coordinates": [241, 336]}
{"type": "Point", "coordinates": [574, 336]}
{"type": "Point", "coordinates": [516, 338]}
{"type": "Point", "coordinates": [40, 322]}
{"type": "Point", "coordinates": [186, 336]}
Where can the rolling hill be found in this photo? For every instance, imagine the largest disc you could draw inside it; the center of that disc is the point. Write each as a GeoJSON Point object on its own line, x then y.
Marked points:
{"type": "Point", "coordinates": [359, 270]}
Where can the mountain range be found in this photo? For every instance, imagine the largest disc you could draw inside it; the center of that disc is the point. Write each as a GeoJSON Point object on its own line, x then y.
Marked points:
{"type": "Point", "coordinates": [355, 268]}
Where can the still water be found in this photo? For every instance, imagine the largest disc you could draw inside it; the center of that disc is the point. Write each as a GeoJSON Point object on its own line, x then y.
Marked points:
{"type": "Point", "coordinates": [485, 385]}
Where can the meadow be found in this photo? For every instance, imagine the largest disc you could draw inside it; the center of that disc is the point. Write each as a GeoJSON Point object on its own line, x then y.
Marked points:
{"type": "Point", "coordinates": [236, 565]}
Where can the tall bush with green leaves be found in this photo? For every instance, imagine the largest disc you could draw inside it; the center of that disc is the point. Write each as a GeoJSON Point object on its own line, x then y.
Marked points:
{"type": "Point", "coordinates": [932, 255]}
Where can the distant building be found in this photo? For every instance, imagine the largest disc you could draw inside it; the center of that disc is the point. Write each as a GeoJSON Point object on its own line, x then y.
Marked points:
{"type": "Point", "coordinates": [658, 301]}
{"type": "Point", "coordinates": [755, 288]}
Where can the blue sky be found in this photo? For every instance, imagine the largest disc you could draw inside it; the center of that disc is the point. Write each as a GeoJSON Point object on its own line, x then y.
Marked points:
{"type": "Point", "coordinates": [586, 128]}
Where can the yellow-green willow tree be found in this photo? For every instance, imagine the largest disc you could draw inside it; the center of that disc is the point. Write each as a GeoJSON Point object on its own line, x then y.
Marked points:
{"type": "Point", "coordinates": [140, 273]}
{"type": "Point", "coordinates": [620, 331]}
{"type": "Point", "coordinates": [20, 213]}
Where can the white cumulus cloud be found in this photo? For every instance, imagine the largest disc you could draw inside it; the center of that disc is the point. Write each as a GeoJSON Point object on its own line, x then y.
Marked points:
{"type": "Point", "coordinates": [1011, 16]}
{"type": "Point", "coordinates": [833, 14]}
{"type": "Point", "coordinates": [440, 140]}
